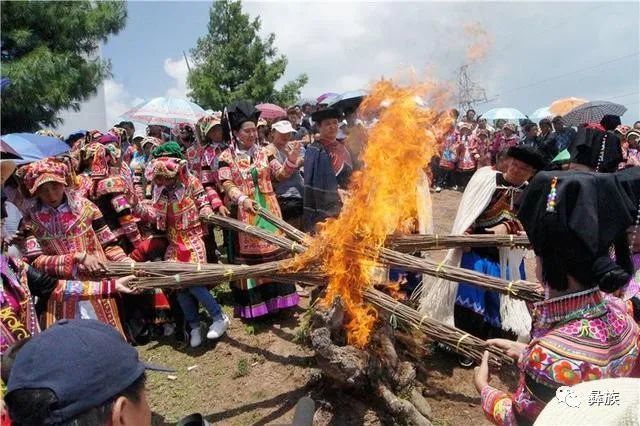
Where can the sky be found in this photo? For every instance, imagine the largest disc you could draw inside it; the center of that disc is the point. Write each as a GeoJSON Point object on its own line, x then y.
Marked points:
{"type": "Point", "coordinates": [533, 52]}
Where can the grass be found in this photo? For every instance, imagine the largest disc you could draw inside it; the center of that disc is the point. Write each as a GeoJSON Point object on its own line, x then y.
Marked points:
{"type": "Point", "coordinates": [242, 369]}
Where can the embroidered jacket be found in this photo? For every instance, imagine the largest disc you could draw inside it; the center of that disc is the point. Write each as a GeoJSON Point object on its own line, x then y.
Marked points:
{"type": "Point", "coordinates": [57, 234]}
{"type": "Point", "coordinates": [577, 338]}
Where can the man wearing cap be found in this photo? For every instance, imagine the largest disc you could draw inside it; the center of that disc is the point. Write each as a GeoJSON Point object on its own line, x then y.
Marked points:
{"type": "Point", "coordinates": [487, 207]}
{"type": "Point", "coordinates": [78, 372]}
{"type": "Point", "coordinates": [289, 191]}
{"type": "Point", "coordinates": [327, 169]}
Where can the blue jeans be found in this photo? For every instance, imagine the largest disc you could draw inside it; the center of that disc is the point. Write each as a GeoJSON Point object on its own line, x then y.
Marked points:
{"type": "Point", "coordinates": [190, 307]}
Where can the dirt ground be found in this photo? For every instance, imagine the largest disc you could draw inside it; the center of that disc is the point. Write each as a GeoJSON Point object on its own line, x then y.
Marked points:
{"type": "Point", "coordinates": [257, 372]}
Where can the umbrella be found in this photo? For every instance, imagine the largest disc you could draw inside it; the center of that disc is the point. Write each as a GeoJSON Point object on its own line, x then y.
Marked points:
{"type": "Point", "coordinates": [34, 147]}
{"type": "Point", "coordinates": [541, 113]}
{"type": "Point", "coordinates": [324, 97]}
{"type": "Point", "coordinates": [592, 112]}
{"type": "Point", "coordinates": [270, 111]}
{"type": "Point", "coordinates": [8, 153]}
{"type": "Point", "coordinates": [304, 101]}
{"type": "Point", "coordinates": [564, 105]}
{"type": "Point", "coordinates": [165, 111]}
{"type": "Point", "coordinates": [348, 100]}
{"type": "Point", "coordinates": [503, 114]}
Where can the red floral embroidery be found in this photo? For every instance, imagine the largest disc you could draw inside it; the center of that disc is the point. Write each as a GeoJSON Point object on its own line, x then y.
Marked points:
{"type": "Point", "coordinates": [590, 373]}
{"type": "Point", "coordinates": [537, 357]}
{"type": "Point", "coordinates": [563, 373]}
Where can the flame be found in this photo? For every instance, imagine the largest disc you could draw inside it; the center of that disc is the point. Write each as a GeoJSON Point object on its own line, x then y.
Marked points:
{"type": "Point", "coordinates": [481, 41]}
{"type": "Point", "coordinates": [383, 198]}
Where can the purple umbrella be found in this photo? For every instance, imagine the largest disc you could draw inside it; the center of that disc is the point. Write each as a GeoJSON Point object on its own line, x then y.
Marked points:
{"type": "Point", "coordinates": [34, 147]}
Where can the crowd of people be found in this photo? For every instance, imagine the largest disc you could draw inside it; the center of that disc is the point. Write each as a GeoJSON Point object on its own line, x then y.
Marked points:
{"type": "Point", "coordinates": [137, 195]}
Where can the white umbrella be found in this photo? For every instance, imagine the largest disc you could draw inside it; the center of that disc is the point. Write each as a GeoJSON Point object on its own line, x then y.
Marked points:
{"type": "Point", "coordinates": [503, 114]}
{"type": "Point", "coordinates": [165, 111]}
{"type": "Point", "coordinates": [541, 113]}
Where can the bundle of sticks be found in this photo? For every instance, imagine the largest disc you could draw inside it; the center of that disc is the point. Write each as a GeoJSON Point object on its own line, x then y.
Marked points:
{"type": "Point", "coordinates": [518, 289]}
{"type": "Point", "coordinates": [413, 243]}
{"type": "Point", "coordinates": [459, 341]}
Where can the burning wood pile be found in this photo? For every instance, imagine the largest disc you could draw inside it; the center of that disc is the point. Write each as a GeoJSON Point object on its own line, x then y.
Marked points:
{"type": "Point", "coordinates": [351, 331]}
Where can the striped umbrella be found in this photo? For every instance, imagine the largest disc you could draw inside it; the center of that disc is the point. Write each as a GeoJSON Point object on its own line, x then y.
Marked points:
{"type": "Point", "coordinates": [165, 111]}
{"type": "Point", "coordinates": [592, 112]}
{"type": "Point", "coordinates": [271, 111]}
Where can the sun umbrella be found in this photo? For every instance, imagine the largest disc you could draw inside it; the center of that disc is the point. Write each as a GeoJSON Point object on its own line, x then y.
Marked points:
{"type": "Point", "coordinates": [165, 111]}
{"type": "Point", "coordinates": [592, 112]}
{"type": "Point", "coordinates": [348, 100]}
{"type": "Point", "coordinates": [34, 147]}
{"type": "Point", "coordinates": [564, 105]}
{"type": "Point", "coordinates": [503, 114]}
{"type": "Point", "coordinates": [541, 113]}
{"type": "Point", "coordinates": [8, 153]}
{"type": "Point", "coordinates": [303, 101]}
{"type": "Point", "coordinates": [270, 111]}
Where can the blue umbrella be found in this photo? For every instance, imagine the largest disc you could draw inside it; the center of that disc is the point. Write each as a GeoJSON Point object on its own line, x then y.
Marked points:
{"type": "Point", "coordinates": [504, 114]}
{"type": "Point", "coordinates": [541, 113]}
{"type": "Point", "coordinates": [32, 147]}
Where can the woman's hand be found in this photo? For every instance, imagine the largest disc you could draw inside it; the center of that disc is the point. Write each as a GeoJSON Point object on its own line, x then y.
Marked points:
{"type": "Point", "coordinates": [223, 211]}
{"type": "Point", "coordinates": [511, 348]}
{"type": "Point", "coordinates": [481, 374]}
{"type": "Point", "coordinates": [249, 206]}
{"type": "Point", "coordinates": [90, 262]}
{"type": "Point", "coordinates": [122, 285]}
{"type": "Point", "coordinates": [498, 230]}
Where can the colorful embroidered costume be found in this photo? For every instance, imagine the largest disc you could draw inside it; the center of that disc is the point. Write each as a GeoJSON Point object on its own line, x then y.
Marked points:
{"type": "Point", "coordinates": [18, 318]}
{"type": "Point", "coordinates": [583, 337]}
{"type": "Point", "coordinates": [112, 186]}
{"type": "Point", "coordinates": [57, 234]}
{"type": "Point", "coordinates": [176, 209]}
{"type": "Point", "coordinates": [249, 174]}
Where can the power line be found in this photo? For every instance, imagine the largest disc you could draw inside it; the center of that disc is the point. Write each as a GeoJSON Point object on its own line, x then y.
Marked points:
{"type": "Point", "coordinates": [515, 89]}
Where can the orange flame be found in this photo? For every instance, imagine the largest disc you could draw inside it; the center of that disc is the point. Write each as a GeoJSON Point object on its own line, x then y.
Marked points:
{"type": "Point", "coordinates": [481, 41]}
{"type": "Point", "coordinates": [383, 198]}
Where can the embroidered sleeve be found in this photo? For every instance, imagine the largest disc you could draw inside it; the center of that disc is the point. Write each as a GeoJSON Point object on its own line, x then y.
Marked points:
{"type": "Point", "coordinates": [61, 265]}
{"type": "Point", "coordinates": [83, 289]}
{"type": "Point", "coordinates": [497, 406]}
{"type": "Point", "coordinates": [200, 197]}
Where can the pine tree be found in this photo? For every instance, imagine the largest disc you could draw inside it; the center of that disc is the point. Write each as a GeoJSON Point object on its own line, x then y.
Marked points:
{"type": "Point", "coordinates": [232, 62]}
{"type": "Point", "coordinates": [47, 54]}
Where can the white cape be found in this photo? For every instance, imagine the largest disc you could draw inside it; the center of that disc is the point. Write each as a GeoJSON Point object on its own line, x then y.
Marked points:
{"type": "Point", "coordinates": [437, 296]}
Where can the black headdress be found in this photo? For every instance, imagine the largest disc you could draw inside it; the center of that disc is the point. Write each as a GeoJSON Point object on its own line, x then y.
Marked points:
{"type": "Point", "coordinates": [325, 114]}
{"type": "Point", "coordinates": [528, 155]}
{"type": "Point", "coordinates": [596, 149]}
{"type": "Point", "coordinates": [236, 114]}
{"type": "Point", "coordinates": [572, 219]}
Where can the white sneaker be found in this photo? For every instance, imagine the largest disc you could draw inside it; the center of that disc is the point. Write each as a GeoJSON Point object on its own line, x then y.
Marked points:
{"type": "Point", "coordinates": [218, 328]}
{"type": "Point", "coordinates": [438, 189]}
{"type": "Point", "coordinates": [196, 337]}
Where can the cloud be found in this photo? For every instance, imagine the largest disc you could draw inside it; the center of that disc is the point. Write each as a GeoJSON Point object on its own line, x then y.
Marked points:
{"type": "Point", "coordinates": [177, 69]}
{"type": "Point", "coordinates": [117, 100]}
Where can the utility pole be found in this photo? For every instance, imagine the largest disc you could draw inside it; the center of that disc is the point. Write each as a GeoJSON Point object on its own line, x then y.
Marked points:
{"type": "Point", "coordinates": [469, 92]}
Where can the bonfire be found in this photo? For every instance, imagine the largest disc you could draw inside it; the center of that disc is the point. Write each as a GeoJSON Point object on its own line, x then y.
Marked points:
{"type": "Point", "coordinates": [355, 325]}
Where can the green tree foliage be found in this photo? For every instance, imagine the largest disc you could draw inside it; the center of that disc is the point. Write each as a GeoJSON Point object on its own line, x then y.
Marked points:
{"type": "Point", "coordinates": [232, 62]}
{"type": "Point", "coordinates": [48, 53]}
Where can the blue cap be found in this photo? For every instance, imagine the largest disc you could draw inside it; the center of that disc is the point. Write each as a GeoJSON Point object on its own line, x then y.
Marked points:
{"type": "Point", "coordinates": [84, 362]}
